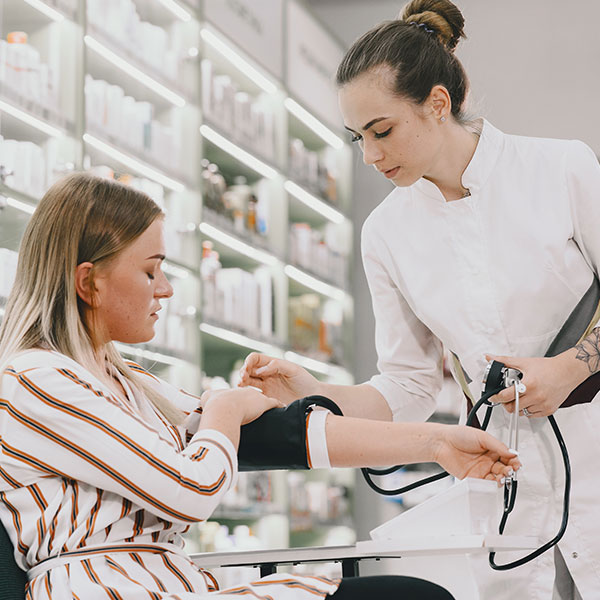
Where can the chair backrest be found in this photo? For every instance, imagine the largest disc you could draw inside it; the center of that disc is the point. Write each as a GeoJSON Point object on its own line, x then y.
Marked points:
{"type": "Point", "coordinates": [12, 577]}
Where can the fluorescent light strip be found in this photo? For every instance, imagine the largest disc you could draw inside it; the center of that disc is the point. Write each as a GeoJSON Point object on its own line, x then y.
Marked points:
{"type": "Point", "coordinates": [241, 340]}
{"type": "Point", "coordinates": [238, 61]}
{"type": "Point", "coordinates": [177, 10]}
{"type": "Point", "coordinates": [148, 354]}
{"type": "Point", "coordinates": [321, 130]}
{"type": "Point", "coordinates": [30, 119]}
{"type": "Point", "coordinates": [174, 270]}
{"type": "Point", "coordinates": [238, 153]}
{"type": "Point", "coordinates": [308, 363]}
{"type": "Point", "coordinates": [22, 206]}
{"type": "Point", "coordinates": [318, 366]}
{"type": "Point", "coordinates": [45, 9]}
{"type": "Point", "coordinates": [313, 202]}
{"type": "Point", "coordinates": [133, 163]}
{"type": "Point", "coordinates": [134, 72]}
{"type": "Point", "coordinates": [238, 245]}
{"type": "Point", "coordinates": [315, 284]}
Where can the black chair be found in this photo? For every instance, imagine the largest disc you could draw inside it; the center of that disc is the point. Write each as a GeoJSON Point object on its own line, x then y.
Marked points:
{"type": "Point", "coordinates": [12, 577]}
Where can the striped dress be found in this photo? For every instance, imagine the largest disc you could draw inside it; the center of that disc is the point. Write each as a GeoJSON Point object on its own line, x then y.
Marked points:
{"type": "Point", "coordinates": [96, 491]}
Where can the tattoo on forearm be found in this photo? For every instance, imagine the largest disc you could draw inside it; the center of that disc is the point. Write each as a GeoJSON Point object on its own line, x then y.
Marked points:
{"type": "Point", "coordinates": [588, 350]}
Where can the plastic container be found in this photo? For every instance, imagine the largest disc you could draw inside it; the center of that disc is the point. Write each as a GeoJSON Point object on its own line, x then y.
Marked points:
{"type": "Point", "coordinates": [471, 507]}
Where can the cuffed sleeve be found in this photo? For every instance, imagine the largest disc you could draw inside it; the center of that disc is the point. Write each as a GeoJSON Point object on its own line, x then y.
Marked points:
{"type": "Point", "coordinates": [316, 440]}
{"type": "Point", "coordinates": [409, 356]}
{"type": "Point", "coordinates": [583, 187]}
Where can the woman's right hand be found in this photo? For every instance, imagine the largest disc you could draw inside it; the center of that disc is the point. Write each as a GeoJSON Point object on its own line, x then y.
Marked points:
{"type": "Point", "coordinates": [469, 452]}
{"type": "Point", "coordinates": [278, 378]}
{"type": "Point", "coordinates": [248, 404]}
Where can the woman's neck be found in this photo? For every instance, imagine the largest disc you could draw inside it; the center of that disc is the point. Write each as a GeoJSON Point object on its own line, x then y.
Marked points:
{"type": "Point", "coordinates": [456, 153]}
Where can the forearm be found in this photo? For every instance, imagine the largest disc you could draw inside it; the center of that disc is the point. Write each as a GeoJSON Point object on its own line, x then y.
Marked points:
{"type": "Point", "coordinates": [360, 401]}
{"type": "Point", "coordinates": [581, 361]}
{"type": "Point", "coordinates": [353, 442]}
{"type": "Point", "coordinates": [224, 416]}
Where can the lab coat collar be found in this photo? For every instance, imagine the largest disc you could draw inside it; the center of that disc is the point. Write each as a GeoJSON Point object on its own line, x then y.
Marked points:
{"type": "Point", "coordinates": [479, 168]}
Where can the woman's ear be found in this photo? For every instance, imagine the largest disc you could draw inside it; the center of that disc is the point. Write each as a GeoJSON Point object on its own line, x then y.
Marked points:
{"type": "Point", "coordinates": [440, 102]}
{"type": "Point", "coordinates": [84, 283]}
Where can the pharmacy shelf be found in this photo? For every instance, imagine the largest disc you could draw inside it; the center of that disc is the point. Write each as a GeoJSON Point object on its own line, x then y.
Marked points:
{"type": "Point", "coordinates": [233, 61]}
{"type": "Point", "coordinates": [142, 162]}
{"type": "Point", "coordinates": [13, 222]}
{"type": "Point", "coordinates": [36, 13]}
{"type": "Point", "coordinates": [178, 269]}
{"type": "Point", "coordinates": [246, 515]}
{"type": "Point", "coordinates": [307, 207]}
{"type": "Point", "coordinates": [334, 372]}
{"type": "Point", "coordinates": [301, 282]}
{"type": "Point", "coordinates": [233, 158]}
{"type": "Point", "coordinates": [24, 120]}
{"type": "Point", "coordinates": [154, 354]}
{"type": "Point", "coordinates": [131, 71]}
{"type": "Point", "coordinates": [223, 337]}
{"type": "Point", "coordinates": [96, 145]}
{"type": "Point", "coordinates": [164, 12]}
{"type": "Point", "coordinates": [224, 346]}
{"type": "Point", "coordinates": [234, 250]}
{"type": "Point", "coordinates": [305, 125]}
{"type": "Point", "coordinates": [225, 225]}
{"type": "Point", "coordinates": [26, 202]}
{"type": "Point", "coordinates": [213, 348]}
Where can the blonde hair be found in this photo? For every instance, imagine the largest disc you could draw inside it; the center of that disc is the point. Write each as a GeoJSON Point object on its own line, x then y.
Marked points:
{"type": "Point", "coordinates": [81, 218]}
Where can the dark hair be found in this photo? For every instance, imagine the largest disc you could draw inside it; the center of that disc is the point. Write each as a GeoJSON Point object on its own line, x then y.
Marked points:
{"type": "Point", "coordinates": [418, 47]}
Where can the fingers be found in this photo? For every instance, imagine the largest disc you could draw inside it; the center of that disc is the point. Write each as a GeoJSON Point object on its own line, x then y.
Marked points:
{"type": "Point", "coordinates": [252, 382]}
{"type": "Point", "coordinates": [274, 403]}
{"type": "Point", "coordinates": [497, 447]}
{"type": "Point", "coordinates": [271, 368]}
{"type": "Point", "coordinates": [505, 396]}
{"type": "Point", "coordinates": [253, 361]}
{"type": "Point", "coordinates": [509, 361]}
{"type": "Point", "coordinates": [259, 365]}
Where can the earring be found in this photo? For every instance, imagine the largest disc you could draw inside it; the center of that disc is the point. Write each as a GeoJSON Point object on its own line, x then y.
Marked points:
{"type": "Point", "coordinates": [442, 119]}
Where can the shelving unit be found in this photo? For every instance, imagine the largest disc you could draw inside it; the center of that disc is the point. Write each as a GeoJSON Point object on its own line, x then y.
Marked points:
{"type": "Point", "coordinates": [100, 87]}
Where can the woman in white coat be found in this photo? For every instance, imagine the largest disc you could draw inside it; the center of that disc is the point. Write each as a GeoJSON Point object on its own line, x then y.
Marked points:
{"type": "Point", "coordinates": [484, 248]}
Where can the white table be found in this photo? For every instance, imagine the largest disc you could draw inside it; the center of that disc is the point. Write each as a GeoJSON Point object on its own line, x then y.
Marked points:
{"type": "Point", "coordinates": [268, 560]}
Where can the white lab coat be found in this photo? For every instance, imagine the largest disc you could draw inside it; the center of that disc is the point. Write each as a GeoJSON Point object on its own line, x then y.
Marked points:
{"type": "Point", "coordinates": [497, 272]}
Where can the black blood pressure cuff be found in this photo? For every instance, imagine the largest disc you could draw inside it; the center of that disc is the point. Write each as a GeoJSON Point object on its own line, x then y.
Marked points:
{"type": "Point", "coordinates": [277, 439]}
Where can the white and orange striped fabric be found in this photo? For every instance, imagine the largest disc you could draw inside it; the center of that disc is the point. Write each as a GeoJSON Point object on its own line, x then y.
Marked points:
{"type": "Point", "coordinates": [95, 492]}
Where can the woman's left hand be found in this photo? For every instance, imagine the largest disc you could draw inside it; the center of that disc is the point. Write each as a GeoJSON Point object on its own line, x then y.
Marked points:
{"type": "Point", "coordinates": [548, 382]}
{"type": "Point", "coordinates": [468, 452]}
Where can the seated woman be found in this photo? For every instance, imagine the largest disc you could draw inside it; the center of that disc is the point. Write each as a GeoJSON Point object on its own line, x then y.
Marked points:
{"type": "Point", "coordinates": [99, 474]}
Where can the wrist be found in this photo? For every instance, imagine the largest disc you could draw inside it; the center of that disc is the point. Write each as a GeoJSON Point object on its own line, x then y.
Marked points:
{"type": "Point", "coordinates": [435, 441]}
{"type": "Point", "coordinates": [570, 369]}
{"type": "Point", "coordinates": [224, 404]}
{"type": "Point", "coordinates": [320, 389]}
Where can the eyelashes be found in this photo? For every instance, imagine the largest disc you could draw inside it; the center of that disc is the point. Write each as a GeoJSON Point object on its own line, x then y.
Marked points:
{"type": "Point", "coordinates": [383, 133]}
{"type": "Point", "coordinates": [357, 138]}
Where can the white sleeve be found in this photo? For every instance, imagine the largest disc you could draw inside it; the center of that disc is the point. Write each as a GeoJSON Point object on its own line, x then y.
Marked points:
{"type": "Point", "coordinates": [583, 187]}
{"type": "Point", "coordinates": [316, 440]}
{"type": "Point", "coordinates": [409, 356]}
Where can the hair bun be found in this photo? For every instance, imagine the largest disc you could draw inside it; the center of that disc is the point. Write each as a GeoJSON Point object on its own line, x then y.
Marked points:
{"type": "Point", "coordinates": [441, 16]}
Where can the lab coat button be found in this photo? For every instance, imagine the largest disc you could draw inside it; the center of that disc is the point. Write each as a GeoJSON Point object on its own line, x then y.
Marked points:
{"type": "Point", "coordinates": [489, 330]}
{"type": "Point", "coordinates": [574, 555]}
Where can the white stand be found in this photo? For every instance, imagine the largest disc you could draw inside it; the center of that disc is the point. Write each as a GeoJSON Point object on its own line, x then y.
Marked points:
{"type": "Point", "coordinates": [434, 540]}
